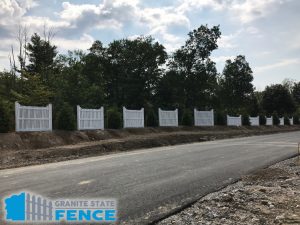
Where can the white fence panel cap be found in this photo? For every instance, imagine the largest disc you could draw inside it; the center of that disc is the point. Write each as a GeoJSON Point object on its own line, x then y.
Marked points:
{"type": "Point", "coordinates": [33, 118]}
{"type": "Point", "coordinates": [168, 118]}
{"type": "Point", "coordinates": [133, 118]}
{"type": "Point", "coordinates": [90, 119]}
{"type": "Point", "coordinates": [204, 118]}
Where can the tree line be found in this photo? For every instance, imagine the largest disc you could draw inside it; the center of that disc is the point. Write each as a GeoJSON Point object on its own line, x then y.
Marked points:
{"type": "Point", "coordinates": [137, 73]}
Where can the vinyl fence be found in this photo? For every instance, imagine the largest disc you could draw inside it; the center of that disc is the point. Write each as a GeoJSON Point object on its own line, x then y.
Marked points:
{"type": "Point", "coordinates": [168, 118]}
{"type": "Point", "coordinates": [281, 121]}
{"type": "Point", "coordinates": [234, 121]}
{"type": "Point", "coordinates": [38, 209]}
{"type": "Point", "coordinates": [204, 118]}
{"type": "Point", "coordinates": [133, 118]}
{"type": "Point", "coordinates": [291, 121]}
{"type": "Point", "coordinates": [254, 121]}
{"type": "Point", "coordinates": [269, 121]}
{"type": "Point", "coordinates": [90, 119]}
{"type": "Point", "coordinates": [33, 118]}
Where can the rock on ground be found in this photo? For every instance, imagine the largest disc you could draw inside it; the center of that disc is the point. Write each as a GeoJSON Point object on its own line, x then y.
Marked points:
{"type": "Point", "coordinates": [268, 196]}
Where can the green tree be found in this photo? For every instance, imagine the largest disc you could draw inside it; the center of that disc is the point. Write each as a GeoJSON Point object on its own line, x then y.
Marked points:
{"type": "Point", "coordinates": [296, 92]}
{"type": "Point", "coordinates": [192, 63]}
{"type": "Point", "coordinates": [65, 118]}
{"type": "Point", "coordinates": [41, 55]}
{"type": "Point", "coordinates": [133, 71]}
{"type": "Point", "coordinates": [5, 116]}
{"type": "Point", "coordinates": [236, 87]}
{"type": "Point", "coordinates": [278, 98]}
{"type": "Point", "coordinates": [187, 118]}
{"type": "Point", "coordinates": [170, 91]}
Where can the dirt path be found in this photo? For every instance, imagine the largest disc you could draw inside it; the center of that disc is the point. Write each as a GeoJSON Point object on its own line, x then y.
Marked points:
{"type": "Point", "coordinates": [23, 149]}
{"type": "Point", "coordinates": [268, 196]}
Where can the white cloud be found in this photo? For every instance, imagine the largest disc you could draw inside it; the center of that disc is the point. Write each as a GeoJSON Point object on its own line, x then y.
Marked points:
{"type": "Point", "coordinates": [84, 42]}
{"type": "Point", "coordinates": [109, 14]}
{"type": "Point", "coordinates": [222, 59]}
{"type": "Point", "coordinates": [189, 5]}
{"type": "Point", "coordinates": [282, 63]}
{"type": "Point", "coordinates": [249, 10]}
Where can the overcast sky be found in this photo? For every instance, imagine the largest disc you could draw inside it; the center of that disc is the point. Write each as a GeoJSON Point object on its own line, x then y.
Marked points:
{"type": "Point", "coordinates": [267, 32]}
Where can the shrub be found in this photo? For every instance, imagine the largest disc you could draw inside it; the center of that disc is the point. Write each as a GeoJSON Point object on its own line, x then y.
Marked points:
{"type": "Point", "coordinates": [262, 119]}
{"type": "Point", "coordinates": [245, 120]}
{"type": "Point", "coordinates": [5, 118]}
{"type": "Point", "coordinates": [287, 120]}
{"type": "Point", "coordinates": [220, 118]}
{"type": "Point", "coordinates": [65, 118]}
{"type": "Point", "coordinates": [114, 118]}
{"type": "Point", "coordinates": [187, 118]}
{"type": "Point", "coordinates": [151, 118]}
{"type": "Point", "coordinates": [296, 119]}
{"type": "Point", "coordinates": [276, 120]}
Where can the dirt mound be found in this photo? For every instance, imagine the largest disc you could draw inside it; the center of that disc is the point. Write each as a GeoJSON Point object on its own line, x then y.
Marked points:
{"type": "Point", "coordinates": [22, 149]}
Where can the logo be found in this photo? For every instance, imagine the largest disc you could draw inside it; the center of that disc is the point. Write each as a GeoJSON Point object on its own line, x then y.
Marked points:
{"type": "Point", "coordinates": [29, 207]}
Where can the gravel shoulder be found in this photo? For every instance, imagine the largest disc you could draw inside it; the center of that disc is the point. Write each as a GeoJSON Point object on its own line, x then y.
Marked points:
{"type": "Point", "coordinates": [267, 196]}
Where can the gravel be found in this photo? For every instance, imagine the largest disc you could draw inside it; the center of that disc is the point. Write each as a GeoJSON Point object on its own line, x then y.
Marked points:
{"type": "Point", "coordinates": [267, 196]}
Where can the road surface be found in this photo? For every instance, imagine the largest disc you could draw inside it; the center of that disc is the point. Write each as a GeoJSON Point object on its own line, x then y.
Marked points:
{"type": "Point", "coordinates": [150, 183]}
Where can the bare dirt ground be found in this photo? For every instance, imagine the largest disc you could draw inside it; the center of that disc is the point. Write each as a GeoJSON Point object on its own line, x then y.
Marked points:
{"type": "Point", "coordinates": [30, 148]}
{"type": "Point", "coordinates": [268, 196]}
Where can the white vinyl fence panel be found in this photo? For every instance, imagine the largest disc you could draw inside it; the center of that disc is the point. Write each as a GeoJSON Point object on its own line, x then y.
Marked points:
{"type": "Point", "coordinates": [133, 118]}
{"type": "Point", "coordinates": [291, 121]}
{"type": "Point", "coordinates": [204, 118]}
{"type": "Point", "coordinates": [33, 118]}
{"type": "Point", "coordinates": [281, 121]}
{"type": "Point", "coordinates": [168, 118]}
{"type": "Point", "coordinates": [234, 121]}
{"type": "Point", "coordinates": [90, 119]}
{"type": "Point", "coordinates": [254, 121]}
{"type": "Point", "coordinates": [269, 121]}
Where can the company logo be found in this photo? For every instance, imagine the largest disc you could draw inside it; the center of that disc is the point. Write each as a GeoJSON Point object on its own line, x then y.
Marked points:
{"type": "Point", "coordinates": [26, 206]}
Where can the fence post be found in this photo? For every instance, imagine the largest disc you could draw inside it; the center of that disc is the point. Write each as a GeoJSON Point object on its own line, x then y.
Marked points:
{"type": "Point", "coordinates": [143, 120]}
{"type": "Point", "coordinates": [213, 117]}
{"type": "Point", "coordinates": [50, 117]}
{"type": "Point", "coordinates": [78, 117]}
{"type": "Point", "coordinates": [195, 116]}
{"type": "Point", "coordinates": [177, 117]}
{"type": "Point", "coordinates": [17, 115]}
{"type": "Point", "coordinates": [102, 111]}
{"type": "Point", "coordinates": [124, 117]}
{"type": "Point", "coordinates": [159, 117]}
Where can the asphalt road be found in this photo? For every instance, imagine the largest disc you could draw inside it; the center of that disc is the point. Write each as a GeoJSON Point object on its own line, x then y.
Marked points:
{"type": "Point", "coordinates": [150, 183]}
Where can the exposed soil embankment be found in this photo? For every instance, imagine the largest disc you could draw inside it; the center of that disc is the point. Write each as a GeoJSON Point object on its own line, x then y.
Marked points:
{"type": "Point", "coordinates": [22, 149]}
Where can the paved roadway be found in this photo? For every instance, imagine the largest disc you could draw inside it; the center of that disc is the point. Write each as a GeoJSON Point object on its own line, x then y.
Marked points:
{"type": "Point", "coordinates": [150, 183]}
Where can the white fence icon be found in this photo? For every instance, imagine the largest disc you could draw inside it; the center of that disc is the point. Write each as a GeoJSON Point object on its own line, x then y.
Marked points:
{"type": "Point", "coordinates": [269, 121]}
{"type": "Point", "coordinates": [38, 209]}
{"type": "Point", "coordinates": [33, 118]}
{"type": "Point", "coordinates": [133, 118]}
{"type": "Point", "coordinates": [254, 121]}
{"type": "Point", "coordinates": [204, 118]}
{"type": "Point", "coordinates": [168, 118]}
{"type": "Point", "coordinates": [234, 121]}
{"type": "Point", "coordinates": [90, 119]}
